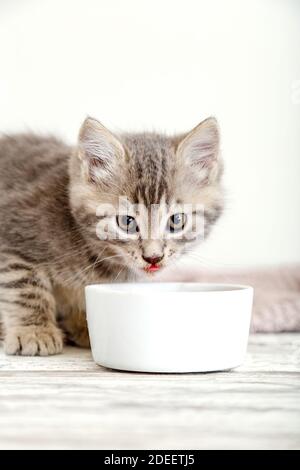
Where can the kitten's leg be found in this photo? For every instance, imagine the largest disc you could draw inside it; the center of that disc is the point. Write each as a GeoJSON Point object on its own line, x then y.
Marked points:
{"type": "Point", "coordinates": [27, 308]}
{"type": "Point", "coordinates": [75, 326]}
{"type": "Point", "coordinates": [71, 314]}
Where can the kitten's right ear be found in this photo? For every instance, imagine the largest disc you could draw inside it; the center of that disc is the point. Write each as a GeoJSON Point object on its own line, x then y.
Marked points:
{"type": "Point", "coordinates": [199, 151]}
{"type": "Point", "coordinates": [99, 150]}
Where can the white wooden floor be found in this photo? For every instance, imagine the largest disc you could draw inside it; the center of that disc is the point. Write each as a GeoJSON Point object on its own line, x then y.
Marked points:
{"type": "Point", "coordinates": [68, 402]}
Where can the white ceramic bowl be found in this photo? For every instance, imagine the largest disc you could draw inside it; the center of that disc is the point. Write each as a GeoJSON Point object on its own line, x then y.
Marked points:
{"type": "Point", "coordinates": [169, 327]}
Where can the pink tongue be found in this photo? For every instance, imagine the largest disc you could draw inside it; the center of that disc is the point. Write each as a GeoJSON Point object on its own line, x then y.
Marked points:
{"type": "Point", "coordinates": [153, 268]}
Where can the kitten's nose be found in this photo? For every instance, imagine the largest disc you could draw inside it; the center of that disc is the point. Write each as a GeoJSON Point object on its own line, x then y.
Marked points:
{"type": "Point", "coordinates": [153, 259]}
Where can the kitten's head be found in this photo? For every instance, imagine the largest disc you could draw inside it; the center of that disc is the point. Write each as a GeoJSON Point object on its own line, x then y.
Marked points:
{"type": "Point", "coordinates": [142, 200]}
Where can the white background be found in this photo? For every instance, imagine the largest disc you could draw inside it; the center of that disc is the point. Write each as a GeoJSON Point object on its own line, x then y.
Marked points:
{"type": "Point", "coordinates": [166, 65]}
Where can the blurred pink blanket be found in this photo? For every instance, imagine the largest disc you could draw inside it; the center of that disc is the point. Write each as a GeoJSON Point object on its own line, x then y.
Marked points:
{"type": "Point", "coordinates": [276, 293]}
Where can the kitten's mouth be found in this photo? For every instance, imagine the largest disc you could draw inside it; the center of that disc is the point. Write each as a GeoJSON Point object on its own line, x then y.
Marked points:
{"type": "Point", "coordinates": [152, 268]}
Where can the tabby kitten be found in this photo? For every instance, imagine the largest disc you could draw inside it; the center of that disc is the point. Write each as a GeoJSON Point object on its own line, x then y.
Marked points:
{"type": "Point", "coordinates": [63, 225]}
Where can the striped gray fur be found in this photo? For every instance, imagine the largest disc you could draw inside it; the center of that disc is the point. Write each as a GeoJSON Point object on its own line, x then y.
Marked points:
{"type": "Point", "coordinates": [49, 199]}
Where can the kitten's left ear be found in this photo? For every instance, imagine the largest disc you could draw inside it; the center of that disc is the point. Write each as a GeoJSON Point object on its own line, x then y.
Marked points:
{"type": "Point", "coordinates": [199, 150]}
{"type": "Point", "coordinates": [100, 151]}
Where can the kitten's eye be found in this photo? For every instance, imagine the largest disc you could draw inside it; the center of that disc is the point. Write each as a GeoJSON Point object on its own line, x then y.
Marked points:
{"type": "Point", "coordinates": [176, 222]}
{"type": "Point", "coordinates": [127, 223]}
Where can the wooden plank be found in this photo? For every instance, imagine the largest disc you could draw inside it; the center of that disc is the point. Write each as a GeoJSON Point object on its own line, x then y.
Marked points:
{"type": "Point", "coordinates": [68, 402]}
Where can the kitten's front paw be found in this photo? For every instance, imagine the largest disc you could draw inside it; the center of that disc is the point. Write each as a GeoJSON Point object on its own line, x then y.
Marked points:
{"type": "Point", "coordinates": [75, 327]}
{"type": "Point", "coordinates": [33, 340]}
{"type": "Point", "coordinates": [79, 338]}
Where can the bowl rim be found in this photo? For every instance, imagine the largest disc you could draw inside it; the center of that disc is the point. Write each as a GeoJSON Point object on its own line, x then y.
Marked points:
{"type": "Point", "coordinates": [127, 288]}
